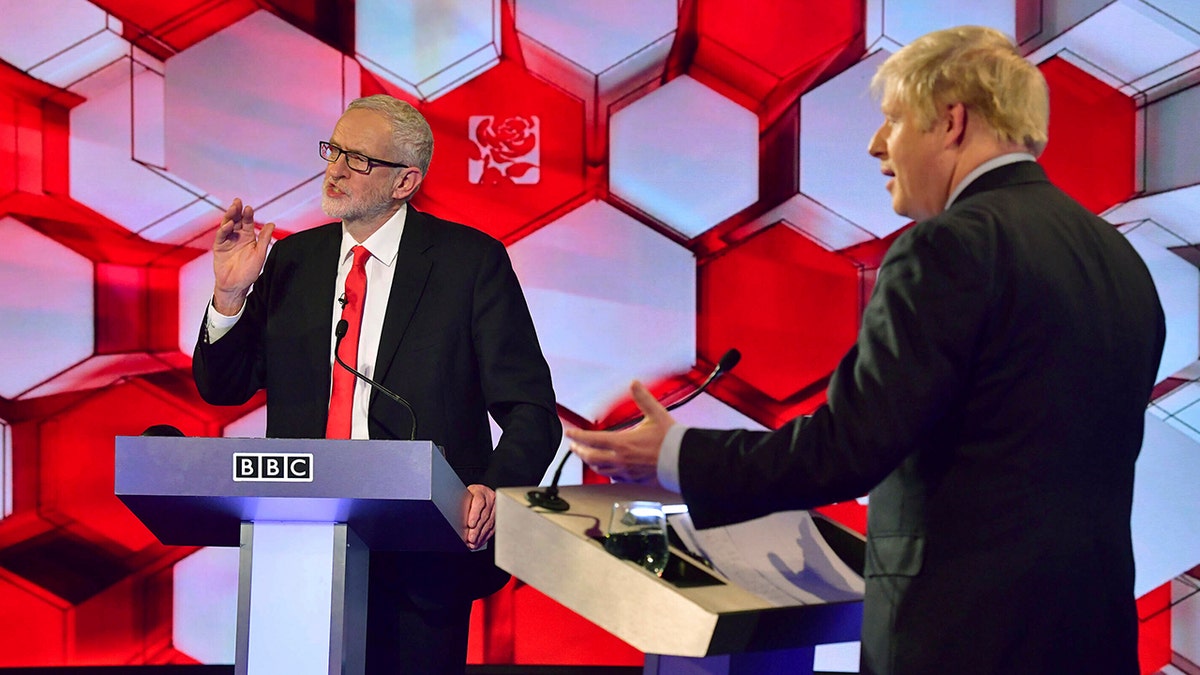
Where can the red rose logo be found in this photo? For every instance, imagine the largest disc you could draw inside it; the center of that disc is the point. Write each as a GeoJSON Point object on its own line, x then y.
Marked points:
{"type": "Point", "coordinates": [507, 152]}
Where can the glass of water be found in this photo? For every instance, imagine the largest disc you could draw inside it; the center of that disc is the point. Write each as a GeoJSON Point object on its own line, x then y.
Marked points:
{"type": "Point", "coordinates": [637, 531]}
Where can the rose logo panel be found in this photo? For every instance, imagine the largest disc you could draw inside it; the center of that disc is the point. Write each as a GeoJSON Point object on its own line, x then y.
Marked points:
{"type": "Point", "coordinates": [509, 150]}
{"type": "Point", "coordinates": [697, 166]}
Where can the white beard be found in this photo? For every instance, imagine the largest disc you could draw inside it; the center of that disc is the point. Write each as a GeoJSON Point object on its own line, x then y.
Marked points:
{"type": "Point", "coordinates": [358, 207]}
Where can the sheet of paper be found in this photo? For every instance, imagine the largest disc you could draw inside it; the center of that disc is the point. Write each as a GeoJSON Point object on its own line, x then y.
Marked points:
{"type": "Point", "coordinates": [781, 558]}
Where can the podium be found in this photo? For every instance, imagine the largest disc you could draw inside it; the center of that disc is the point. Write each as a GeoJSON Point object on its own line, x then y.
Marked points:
{"type": "Point", "coordinates": [306, 514]}
{"type": "Point", "coordinates": [691, 621]}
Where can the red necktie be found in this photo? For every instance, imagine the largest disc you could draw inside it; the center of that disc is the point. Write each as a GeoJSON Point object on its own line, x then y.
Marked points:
{"type": "Point", "coordinates": [341, 401]}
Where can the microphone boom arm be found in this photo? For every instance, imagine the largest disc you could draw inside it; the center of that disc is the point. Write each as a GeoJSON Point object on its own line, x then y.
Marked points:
{"type": "Point", "coordinates": [340, 332]}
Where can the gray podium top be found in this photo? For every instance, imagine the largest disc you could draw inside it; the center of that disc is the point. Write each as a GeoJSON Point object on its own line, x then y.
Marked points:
{"type": "Point", "coordinates": [396, 495]}
{"type": "Point", "coordinates": [557, 554]}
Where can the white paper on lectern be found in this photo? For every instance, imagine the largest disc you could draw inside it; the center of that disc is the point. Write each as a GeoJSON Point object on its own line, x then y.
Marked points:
{"type": "Point", "coordinates": [781, 558]}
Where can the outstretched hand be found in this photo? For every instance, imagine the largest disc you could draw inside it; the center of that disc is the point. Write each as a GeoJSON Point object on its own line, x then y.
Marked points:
{"type": "Point", "coordinates": [630, 455]}
{"type": "Point", "coordinates": [238, 256]}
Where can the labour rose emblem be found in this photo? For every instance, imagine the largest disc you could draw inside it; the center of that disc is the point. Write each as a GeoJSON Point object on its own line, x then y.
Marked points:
{"type": "Point", "coordinates": [507, 151]}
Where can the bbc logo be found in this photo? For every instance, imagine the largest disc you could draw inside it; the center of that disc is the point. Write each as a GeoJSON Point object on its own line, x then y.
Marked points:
{"type": "Point", "coordinates": [264, 467]}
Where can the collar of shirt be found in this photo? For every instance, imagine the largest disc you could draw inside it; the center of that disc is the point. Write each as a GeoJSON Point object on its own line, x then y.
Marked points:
{"type": "Point", "coordinates": [993, 163]}
{"type": "Point", "coordinates": [384, 244]}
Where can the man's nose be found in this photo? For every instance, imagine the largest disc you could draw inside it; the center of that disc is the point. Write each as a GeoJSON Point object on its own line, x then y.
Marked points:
{"type": "Point", "coordinates": [338, 167]}
{"type": "Point", "coordinates": [877, 148]}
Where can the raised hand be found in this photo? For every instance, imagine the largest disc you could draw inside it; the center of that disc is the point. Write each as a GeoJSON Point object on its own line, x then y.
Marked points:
{"type": "Point", "coordinates": [238, 256]}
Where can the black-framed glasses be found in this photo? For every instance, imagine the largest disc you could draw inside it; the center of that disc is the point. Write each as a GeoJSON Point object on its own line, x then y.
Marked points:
{"type": "Point", "coordinates": [356, 162]}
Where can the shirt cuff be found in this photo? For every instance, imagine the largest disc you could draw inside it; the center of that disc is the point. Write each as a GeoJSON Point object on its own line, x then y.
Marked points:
{"type": "Point", "coordinates": [217, 324]}
{"type": "Point", "coordinates": [668, 457]}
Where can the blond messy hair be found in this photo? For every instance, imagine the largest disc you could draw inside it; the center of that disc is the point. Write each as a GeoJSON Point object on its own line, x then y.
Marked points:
{"type": "Point", "coordinates": [978, 67]}
{"type": "Point", "coordinates": [411, 134]}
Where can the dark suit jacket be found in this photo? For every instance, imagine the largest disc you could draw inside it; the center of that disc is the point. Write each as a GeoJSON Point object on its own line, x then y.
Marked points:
{"type": "Point", "coordinates": [993, 405]}
{"type": "Point", "coordinates": [457, 343]}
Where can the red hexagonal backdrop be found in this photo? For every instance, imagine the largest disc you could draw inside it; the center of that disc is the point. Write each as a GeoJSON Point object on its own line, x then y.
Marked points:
{"type": "Point", "coordinates": [105, 223]}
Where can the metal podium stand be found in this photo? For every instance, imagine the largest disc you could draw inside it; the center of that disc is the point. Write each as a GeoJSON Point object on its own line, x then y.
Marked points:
{"type": "Point", "coordinates": [699, 626]}
{"type": "Point", "coordinates": [306, 514]}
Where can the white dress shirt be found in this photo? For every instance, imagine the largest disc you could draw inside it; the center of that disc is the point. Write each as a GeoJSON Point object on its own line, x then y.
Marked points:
{"type": "Point", "coordinates": [384, 246]}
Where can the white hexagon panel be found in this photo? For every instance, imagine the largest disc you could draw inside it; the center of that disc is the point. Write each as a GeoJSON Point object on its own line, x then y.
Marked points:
{"type": "Point", "coordinates": [1166, 532]}
{"type": "Point", "coordinates": [47, 291]}
{"type": "Point", "coordinates": [1176, 211]}
{"type": "Point", "coordinates": [1168, 163]}
{"type": "Point", "coordinates": [899, 23]}
{"type": "Point", "coordinates": [427, 47]}
{"type": "Point", "coordinates": [816, 220]}
{"type": "Point", "coordinates": [585, 276]}
{"type": "Point", "coordinates": [249, 126]}
{"type": "Point", "coordinates": [195, 292]}
{"type": "Point", "coordinates": [837, 120]}
{"type": "Point", "coordinates": [59, 41]}
{"type": "Point", "coordinates": [1132, 45]}
{"type": "Point", "coordinates": [114, 170]}
{"type": "Point", "coordinates": [684, 155]}
{"type": "Point", "coordinates": [597, 51]}
{"type": "Point", "coordinates": [1176, 281]}
{"type": "Point", "coordinates": [707, 412]}
{"type": "Point", "coordinates": [204, 607]}
{"type": "Point", "coordinates": [613, 40]}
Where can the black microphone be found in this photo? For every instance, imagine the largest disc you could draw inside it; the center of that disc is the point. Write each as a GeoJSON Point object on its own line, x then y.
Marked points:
{"type": "Point", "coordinates": [162, 430]}
{"type": "Point", "coordinates": [340, 332]}
{"type": "Point", "coordinates": [342, 300]}
{"type": "Point", "coordinates": [549, 499]}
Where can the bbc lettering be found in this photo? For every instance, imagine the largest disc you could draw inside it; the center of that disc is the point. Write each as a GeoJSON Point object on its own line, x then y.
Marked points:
{"type": "Point", "coordinates": [263, 467]}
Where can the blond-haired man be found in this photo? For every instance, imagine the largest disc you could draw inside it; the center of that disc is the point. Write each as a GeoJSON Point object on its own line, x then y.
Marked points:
{"type": "Point", "coordinates": [992, 405]}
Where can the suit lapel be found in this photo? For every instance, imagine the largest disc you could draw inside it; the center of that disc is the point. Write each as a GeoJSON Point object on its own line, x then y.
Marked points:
{"type": "Point", "coordinates": [317, 316]}
{"type": "Point", "coordinates": [412, 272]}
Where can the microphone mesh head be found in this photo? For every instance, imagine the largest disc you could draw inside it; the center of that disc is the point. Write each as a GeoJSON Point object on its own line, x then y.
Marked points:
{"type": "Point", "coordinates": [162, 430]}
{"type": "Point", "coordinates": [730, 360]}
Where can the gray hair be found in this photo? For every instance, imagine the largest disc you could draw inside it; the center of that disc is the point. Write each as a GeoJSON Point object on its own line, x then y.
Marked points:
{"type": "Point", "coordinates": [411, 135]}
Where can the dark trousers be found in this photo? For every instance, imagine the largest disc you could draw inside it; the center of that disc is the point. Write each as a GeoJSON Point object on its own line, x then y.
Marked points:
{"type": "Point", "coordinates": [409, 632]}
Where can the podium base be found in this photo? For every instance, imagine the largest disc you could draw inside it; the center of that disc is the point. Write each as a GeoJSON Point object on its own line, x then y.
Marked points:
{"type": "Point", "coordinates": [302, 600]}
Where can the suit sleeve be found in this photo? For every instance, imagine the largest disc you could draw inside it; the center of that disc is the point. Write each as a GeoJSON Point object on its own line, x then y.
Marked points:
{"type": "Point", "coordinates": [514, 375]}
{"type": "Point", "coordinates": [912, 358]}
{"type": "Point", "coordinates": [231, 370]}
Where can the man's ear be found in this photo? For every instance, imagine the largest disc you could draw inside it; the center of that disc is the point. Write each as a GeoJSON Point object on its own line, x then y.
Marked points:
{"type": "Point", "coordinates": [406, 183]}
{"type": "Point", "coordinates": [954, 123]}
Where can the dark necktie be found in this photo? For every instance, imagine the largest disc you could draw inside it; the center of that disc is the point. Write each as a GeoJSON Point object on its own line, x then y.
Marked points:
{"type": "Point", "coordinates": [341, 401]}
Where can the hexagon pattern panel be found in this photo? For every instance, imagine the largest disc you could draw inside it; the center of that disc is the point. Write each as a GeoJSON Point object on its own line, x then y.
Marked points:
{"type": "Point", "coordinates": [673, 178]}
{"type": "Point", "coordinates": [599, 52]}
{"type": "Point", "coordinates": [427, 47]}
{"type": "Point", "coordinates": [685, 156]}
{"type": "Point", "coordinates": [53, 327]}
{"type": "Point", "coordinates": [594, 268]}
